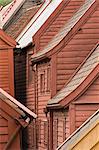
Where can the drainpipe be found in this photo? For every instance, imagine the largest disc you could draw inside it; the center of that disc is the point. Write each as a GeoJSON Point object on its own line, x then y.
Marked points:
{"type": "Point", "coordinates": [34, 69]}
{"type": "Point", "coordinates": [12, 138]}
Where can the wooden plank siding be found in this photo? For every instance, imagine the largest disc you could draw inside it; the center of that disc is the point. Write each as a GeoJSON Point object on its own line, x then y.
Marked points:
{"type": "Point", "coordinates": [61, 128]}
{"type": "Point", "coordinates": [24, 87]}
{"type": "Point", "coordinates": [8, 126]}
{"type": "Point", "coordinates": [43, 97]}
{"type": "Point", "coordinates": [20, 77]}
{"type": "Point", "coordinates": [71, 56]}
{"type": "Point", "coordinates": [3, 132]}
{"type": "Point", "coordinates": [57, 20]}
{"type": "Point", "coordinates": [87, 103]}
{"type": "Point", "coordinates": [7, 69]}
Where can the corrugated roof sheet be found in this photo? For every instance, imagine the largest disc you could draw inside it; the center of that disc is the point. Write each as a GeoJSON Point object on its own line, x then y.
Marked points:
{"type": "Point", "coordinates": [80, 76]}
{"type": "Point", "coordinates": [65, 30]}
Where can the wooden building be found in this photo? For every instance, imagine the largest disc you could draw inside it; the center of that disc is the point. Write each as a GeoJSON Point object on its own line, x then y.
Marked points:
{"type": "Point", "coordinates": [60, 49]}
{"type": "Point", "coordinates": [7, 44]}
{"type": "Point", "coordinates": [13, 118]}
{"type": "Point", "coordinates": [55, 60]}
{"type": "Point", "coordinates": [78, 100]}
{"type": "Point", "coordinates": [80, 139]}
{"type": "Point", "coordinates": [13, 115]}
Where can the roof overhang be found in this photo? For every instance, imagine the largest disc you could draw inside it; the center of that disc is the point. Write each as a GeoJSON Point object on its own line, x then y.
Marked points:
{"type": "Point", "coordinates": [16, 105]}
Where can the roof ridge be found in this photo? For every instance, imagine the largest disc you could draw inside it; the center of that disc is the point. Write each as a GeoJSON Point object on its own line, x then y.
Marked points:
{"type": "Point", "coordinates": [8, 9]}
{"type": "Point", "coordinates": [65, 30]}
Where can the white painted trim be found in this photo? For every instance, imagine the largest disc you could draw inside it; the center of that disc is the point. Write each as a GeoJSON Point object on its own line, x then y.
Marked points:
{"type": "Point", "coordinates": [26, 38]}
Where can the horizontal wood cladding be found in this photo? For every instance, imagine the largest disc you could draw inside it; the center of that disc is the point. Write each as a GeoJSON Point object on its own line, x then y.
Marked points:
{"type": "Point", "coordinates": [8, 126]}
{"type": "Point", "coordinates": [20, 77]}
{"type": "Point", "coordinates": [3, 132]}
{"type": "Point", "coordinates": [6, 70]}
{"type": "Point", "coordinates": [83, 112]}
{"type": "Point", "coordinates": [88, 103]}
{"type": "Point", "coordinates": [62, 16]}
{"type": "Point", "coordinates": [73, 54]}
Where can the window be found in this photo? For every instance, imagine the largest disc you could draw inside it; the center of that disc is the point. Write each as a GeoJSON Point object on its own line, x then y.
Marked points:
{"type": "Point", "coordinates": [30, 72]}
{"type": "Point", "coordinates": [48, 80]}
{"type": "Point", "coordinates": [42, 82]}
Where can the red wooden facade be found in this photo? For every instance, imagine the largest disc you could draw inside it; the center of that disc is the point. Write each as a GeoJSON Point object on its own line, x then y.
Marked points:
{"type": "Point", "coordinates": [63, 55]}
{"type": "Point", "coordinates": [7, 45]}
{"type": "Point", "coordinates": [61, 45]}
{"type": "Point", "coordinates": [13, 115]}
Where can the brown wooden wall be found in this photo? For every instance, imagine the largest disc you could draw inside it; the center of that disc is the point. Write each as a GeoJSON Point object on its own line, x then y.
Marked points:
{"type": "Point", "coordinates": [20, 76]}
{"type": "Point", "coordinates": [6, 70]}
{"type": "Point", "coordinates": [43, 97]}
{"type": "Point", "coordinates": [57, 20]}
{"type": "Point", "coordinates": [79, 111]}
{"type": "Point", "coordinates": [61, 127]}
{"type": "Point", "coordinates": [73, 54]}
{"type": "Point", "coordinates": [8, 126]}
{"type": "Point", "coordinates": [24, 89]}
{"type": "Point", "coordinates": [91, 97]}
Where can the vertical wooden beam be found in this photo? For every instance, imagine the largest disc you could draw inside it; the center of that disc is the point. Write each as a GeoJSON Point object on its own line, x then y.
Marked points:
{"type": "Point", "coordinates": [53, 75]}
{"type": "Point", "coordinates": [51, 131]}
{"type": "Point", "coordinates": [72, 118]}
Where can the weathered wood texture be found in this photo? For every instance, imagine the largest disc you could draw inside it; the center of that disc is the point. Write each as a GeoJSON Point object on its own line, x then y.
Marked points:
{"type": "Point", "coordinates": [6, 67]}
{"type": "Point", "coordinates": [43, 98]}
{"type": "Point", "coordinates": [79, 111]}
{"type": "Point", "coordinates": [8, 126]}
{"type": "Point", "coordinates": [61, 127]}
{"type": "Point", "coordinates": [24, 88]}
{"type": "Point", "coordinates": [73, 54]}
{"type": "Point", "coordinates": [57, 20]}
{"type": "Point", "coordinates": [91, 97]}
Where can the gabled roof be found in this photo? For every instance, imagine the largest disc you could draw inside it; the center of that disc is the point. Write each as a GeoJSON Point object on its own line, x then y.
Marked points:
{"type": "Point", "coordinates": [16, 105]}
{"type": "Point", "coordinates": [86, 74]}
{"type": "Point", "coordinates": [20, 21]}
{"type": "Point", "coordinates": [65, 31]}
{"type": "Point", "coordinates": [82, 132]}
{"type": "Point", "coordinates": [7, 39]}
{"type": "Point", "coordinates": [8, 11]}
{"type": "Point", "coordinates": [46, 10]}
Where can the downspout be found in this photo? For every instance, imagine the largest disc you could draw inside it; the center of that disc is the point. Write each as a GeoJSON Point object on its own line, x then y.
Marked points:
{"type": "Point", "coordinates": [34, 69]}
{"type": "Point", "coordinates": [12, 138]}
